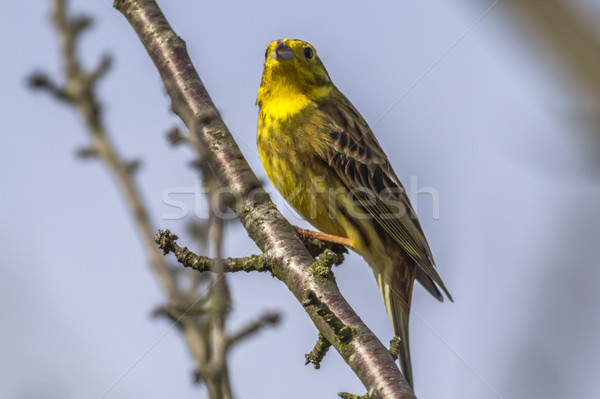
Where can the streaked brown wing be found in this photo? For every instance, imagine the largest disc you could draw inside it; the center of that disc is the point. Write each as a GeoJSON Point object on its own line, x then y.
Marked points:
{"type": "Point", "coordinates": [363, 167]}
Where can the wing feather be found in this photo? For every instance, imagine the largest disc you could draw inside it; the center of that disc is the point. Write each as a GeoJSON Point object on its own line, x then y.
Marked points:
{"type": "Point", "coordinates": [361, 164]}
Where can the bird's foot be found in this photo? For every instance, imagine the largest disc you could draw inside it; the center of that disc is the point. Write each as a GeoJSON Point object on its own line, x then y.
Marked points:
{"type": "Point", "coordinates": [312, 235]}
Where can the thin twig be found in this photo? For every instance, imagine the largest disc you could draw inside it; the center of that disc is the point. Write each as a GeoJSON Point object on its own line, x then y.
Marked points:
{"type": "Point", "coordinates": [318, 353]}
{"type": "Point", "coordinates": [268, 319]}
{"type": "Point", "coordinates": [79, 90]}
{"type": "Point", "coordinates": [167, 242]}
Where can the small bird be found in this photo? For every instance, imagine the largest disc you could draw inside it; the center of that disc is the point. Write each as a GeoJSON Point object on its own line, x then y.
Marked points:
{"type": "Point", "coordinates": [322, 156]}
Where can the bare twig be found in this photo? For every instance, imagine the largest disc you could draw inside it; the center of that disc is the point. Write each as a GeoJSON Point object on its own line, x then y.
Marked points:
{"type": "Point", "coordinates": [395, 347]}
{"type": "Point", "coordinates": [346, 395]}
{"type": "Point", "coordinates": [318, 353]}
{"type": "Point", "coordinates": [219, 301]}
{"type": "Point", "coordinates": [167, 241]}
{"type": "Point", "coordinates": [175, 136]}
{"type": "Point", "coordinates": [79, 91]}
{"type": "Point", "coordinates": [292, 263]}
{"type": "Point", "coordinates": [268, 319]}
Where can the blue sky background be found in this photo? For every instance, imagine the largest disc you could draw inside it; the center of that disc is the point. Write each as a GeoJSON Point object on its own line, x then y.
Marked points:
{"type": "Point", "coordinates": [475, 110]}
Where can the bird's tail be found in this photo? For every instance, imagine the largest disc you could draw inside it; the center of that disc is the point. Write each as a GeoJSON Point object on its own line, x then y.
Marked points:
{"type": "Point", "coordinates": [396, 288]}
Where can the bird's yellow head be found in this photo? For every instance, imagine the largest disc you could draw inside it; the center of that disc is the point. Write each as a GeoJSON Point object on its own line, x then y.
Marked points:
{"type": "Point", "coordinates": [292, 69]}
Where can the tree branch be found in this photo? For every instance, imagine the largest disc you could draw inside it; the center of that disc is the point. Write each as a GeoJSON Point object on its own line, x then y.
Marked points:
{"type": "Point", "coordinates": [79, 91]}
{"type": "Point", "coordinates": [268, 319]}
{"type": "Point", "coordinates": [318, 353]}
{"type": "Point", "coordinates": [292, 263]}
{"type": "Point", "coordinates": [167, 241]}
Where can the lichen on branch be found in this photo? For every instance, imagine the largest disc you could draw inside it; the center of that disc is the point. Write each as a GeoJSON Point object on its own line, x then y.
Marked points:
{"type": "Point", "coordinates": [167, 242]}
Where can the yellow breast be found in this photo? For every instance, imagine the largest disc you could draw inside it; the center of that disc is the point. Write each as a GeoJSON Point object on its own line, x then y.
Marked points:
{"type": "Point", "coordinates": [288, 152]}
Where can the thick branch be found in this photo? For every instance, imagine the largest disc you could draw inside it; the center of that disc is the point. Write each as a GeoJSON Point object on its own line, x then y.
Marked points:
{"type": "Point", "coordinates": [292, 263]}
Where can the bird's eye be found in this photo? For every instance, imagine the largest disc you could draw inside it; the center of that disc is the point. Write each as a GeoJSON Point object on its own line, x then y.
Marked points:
{"type": "Point", "coordinates": [266, 52]}
{"type": "Point", "coordinates": [308, 53]}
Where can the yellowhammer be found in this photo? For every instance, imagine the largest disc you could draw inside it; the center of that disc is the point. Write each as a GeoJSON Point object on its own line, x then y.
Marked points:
{"type": "Point", "coordinates": [324, 159]}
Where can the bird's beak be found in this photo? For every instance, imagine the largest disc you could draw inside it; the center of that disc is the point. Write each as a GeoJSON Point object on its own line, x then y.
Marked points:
{"type": "Point", "coordinates": [283, 52]}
